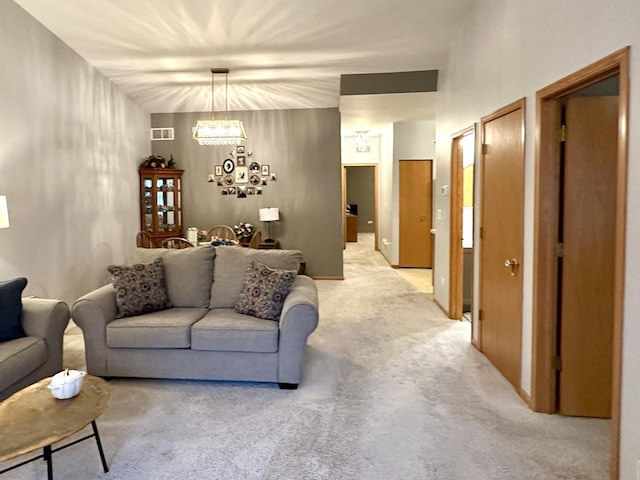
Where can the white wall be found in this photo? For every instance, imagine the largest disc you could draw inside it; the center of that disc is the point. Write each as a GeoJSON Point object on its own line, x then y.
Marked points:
{"type": "Point", "coordinates": [350, 156]}
{"type": "Point", "coordinates": [508, 49]}
{"type": "Point", "coordinates": [71, 143]}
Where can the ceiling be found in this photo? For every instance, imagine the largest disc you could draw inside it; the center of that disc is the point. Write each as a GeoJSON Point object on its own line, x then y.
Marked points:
{"type": "Point", "coordinates": [281, 53]}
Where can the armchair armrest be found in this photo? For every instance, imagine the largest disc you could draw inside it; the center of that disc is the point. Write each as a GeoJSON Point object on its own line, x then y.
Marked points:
{"type": "Point", "coordinates": [46, 318]}
{"type": "Point", "coordinates": [92, 312]}
{"type": "Point", "coordinates": [298, 320]}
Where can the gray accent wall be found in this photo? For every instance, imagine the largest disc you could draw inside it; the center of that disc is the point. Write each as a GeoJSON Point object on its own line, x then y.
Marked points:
{"type": "Point", "coordinates": [71, 142]}
{"type": "Point", "coordinates": [302, 146]}
{"type": "Point", "coordinates": [392, 82]}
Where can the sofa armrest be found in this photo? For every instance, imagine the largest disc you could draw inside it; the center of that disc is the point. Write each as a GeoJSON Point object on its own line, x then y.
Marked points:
{"type": "Point", "coordinates": [298, 320]}
{"type": "Point", "coordinates": [46, 318]}
{"type": "Point", "coordinates": [92, 312]}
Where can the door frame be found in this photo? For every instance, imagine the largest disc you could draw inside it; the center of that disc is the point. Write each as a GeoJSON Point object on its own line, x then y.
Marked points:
{"type": "Point", "coordinates": [546, 212]}
{"type": "Point", "coordinates": [375, 201]}
{"type": "Point", "coordinates": [455, 225]}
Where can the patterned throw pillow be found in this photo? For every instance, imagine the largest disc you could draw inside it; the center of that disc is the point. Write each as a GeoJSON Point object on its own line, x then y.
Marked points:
{"type": "Point", "coordinates": [140, 288]}
{"type": "Point", "coordinates": [264, 291]}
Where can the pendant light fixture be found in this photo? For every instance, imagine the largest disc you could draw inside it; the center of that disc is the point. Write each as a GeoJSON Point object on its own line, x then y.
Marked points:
{"type": "Point", "coordinates": [219, 132]}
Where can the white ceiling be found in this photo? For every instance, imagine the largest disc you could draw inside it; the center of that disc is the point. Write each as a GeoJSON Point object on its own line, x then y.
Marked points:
{"type": "Point", "coordinates": [281, 53]}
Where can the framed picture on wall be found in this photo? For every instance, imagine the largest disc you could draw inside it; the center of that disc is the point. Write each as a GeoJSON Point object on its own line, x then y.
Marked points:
{"type": "Point", "coordinates": [254, 180]}
{"type": "Point", "coordinates": [225, 191]}
{"type": "Point", "coordinates": [241, 160]}
{"type": "Point", "coordinates": [218, 170]}
{"type": "Point", "coordinates": [240, 149]}
{"type": "Point", "coordinates": [227, 165]}
{"type": "Point", "coordinates": [242, 175]}
{"type": "Point", "coordinates": [242, 192]}
{"type": "Point", "coordinates": [254, 167]}
{"type": "Point", "coordinates": [265, 170]}
{"type": "Point", "coordinates": [251, 190]}
{"type": "Point", "coordinates": [231, 190]}
{"type": "Point", "coordinates": [211, 178]}
{"type": "Point", "coordinates": [258, 190]}
{"type": "Point", "coordinates": [273, 177]}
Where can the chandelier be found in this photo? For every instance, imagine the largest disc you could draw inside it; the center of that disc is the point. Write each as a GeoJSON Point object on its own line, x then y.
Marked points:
{"type": "Point", "coordinates": [219, 132]}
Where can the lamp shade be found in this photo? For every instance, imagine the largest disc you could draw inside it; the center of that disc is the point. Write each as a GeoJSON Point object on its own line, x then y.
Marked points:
{"type": "Point", "coordinates": [219, 132]}
{"type": "Point", "coordinates": [269, 214]}
{"type": "Point", "coordinates": [4, 212]}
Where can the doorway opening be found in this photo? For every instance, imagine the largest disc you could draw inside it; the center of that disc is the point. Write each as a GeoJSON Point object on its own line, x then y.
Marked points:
{"type": "Point", "coordinates": [360, 199]}
{"type": "Point", "coordinates": [562, 235]}
{"type": "Point", "coordinates": [461, 257]}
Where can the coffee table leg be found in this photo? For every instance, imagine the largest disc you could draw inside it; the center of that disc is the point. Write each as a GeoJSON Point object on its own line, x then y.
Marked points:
{"type": "Point", "coordinates": [46, 453]}
{"type": "Point", "coordinates": [97, 435]}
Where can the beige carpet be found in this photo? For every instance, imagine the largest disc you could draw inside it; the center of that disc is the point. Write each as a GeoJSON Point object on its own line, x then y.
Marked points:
{"type": "Point", "coordinates": [392, 390]}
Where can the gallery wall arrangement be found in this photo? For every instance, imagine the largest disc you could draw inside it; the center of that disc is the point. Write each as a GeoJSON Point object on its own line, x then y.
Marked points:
{"type": "Point", "coordinates": [241, 174]}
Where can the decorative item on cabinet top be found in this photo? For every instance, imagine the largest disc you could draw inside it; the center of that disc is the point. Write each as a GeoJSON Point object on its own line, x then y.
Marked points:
{"type": "Point", "coordinates": [158, 161]}
{"type": "Point", "coordinates": [240, 175]}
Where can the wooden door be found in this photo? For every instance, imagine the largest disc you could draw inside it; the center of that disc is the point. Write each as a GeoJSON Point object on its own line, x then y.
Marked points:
{"type": "Point", "coordinates": [587, 267]}
{"type": "Point", "coordinates": [416, 244]}
{"type": "Point", "coordinates": [501, 240]}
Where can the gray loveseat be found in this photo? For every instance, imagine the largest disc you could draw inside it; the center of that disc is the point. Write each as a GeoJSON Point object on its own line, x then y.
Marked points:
{"type": "Point", "coordinates": [26, 360]}
{"type": "Point", "coordinates": [201, 336]}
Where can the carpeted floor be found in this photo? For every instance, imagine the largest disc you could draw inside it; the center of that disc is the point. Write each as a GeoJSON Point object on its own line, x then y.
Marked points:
{"type": "Point", "coordinates": [392, 390]}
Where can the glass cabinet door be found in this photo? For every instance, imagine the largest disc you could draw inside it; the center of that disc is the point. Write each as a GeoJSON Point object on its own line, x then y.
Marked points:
{"type": "Point", "coordinates": [160, 202]}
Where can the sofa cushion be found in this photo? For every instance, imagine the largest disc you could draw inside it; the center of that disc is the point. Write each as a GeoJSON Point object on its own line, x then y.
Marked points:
{"type": "Point", "coordinates": [20, 357]}
{"type": "Point", "coordinates": [264, 291]}
{"type": "Point", "coordinates": [11, 309]}
{"type": "Point", "coordinates": [164, 329]}
{"type": "Point", "coordinates": [188, 273]}
{"type": "Point", "coordinates": [230, 270]}
{"type": "Point", "coordinates": [225, 330]}
{"type": "Point", "coordinates": [140, 288]}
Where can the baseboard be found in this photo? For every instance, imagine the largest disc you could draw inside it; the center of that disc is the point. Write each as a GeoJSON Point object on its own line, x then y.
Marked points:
{"type": "Point", "coordinates": [441, 307]}
{"type": "Point", "coordinates": [395, 266]}
{"type": "Point", "coordinates": [321, 277]}
{"type": "Point", "coordinates": [526, 398]}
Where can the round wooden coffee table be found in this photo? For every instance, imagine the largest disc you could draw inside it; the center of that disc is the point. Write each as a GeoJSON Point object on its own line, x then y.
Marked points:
{"type": "Point", "coordinates": [33, 418]}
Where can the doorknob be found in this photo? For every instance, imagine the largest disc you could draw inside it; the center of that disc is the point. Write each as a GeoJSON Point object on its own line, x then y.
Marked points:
{"type": "Point", "coordinates": [513, 265]}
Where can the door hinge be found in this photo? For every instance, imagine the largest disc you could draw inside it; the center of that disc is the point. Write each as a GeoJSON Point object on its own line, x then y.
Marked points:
{"type": "Point", "coordinates": [558, 250]}
{"type": "Point", "coordinates": [485, 147]}
{"type": "Point", "coordinates": [563, 133]}
{"type": "Point", "coordinates": [479, 315]}
{"type": "Point", "coordinates": [556, 363]}
{"type": "Point", "coordinates": [480, 232]}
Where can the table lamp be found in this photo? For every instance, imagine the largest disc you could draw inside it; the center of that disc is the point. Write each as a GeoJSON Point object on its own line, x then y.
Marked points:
{"type": "Point", "coordinates": [269, 215]}
{"type": "Point", "coordinates": [4, 212]}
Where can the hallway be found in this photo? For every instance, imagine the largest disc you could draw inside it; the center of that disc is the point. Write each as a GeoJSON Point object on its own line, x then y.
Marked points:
{"type": "Point", "coordinates": [362, 253]}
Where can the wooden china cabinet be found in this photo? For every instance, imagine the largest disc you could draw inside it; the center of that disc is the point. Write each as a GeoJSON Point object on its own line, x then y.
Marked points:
{"type": "Point", "coordinates": [161, 202]}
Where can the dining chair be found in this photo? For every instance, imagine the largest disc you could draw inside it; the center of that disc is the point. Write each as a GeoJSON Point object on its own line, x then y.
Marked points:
{"type": "Point", "coordinates": [256, 238]}
{"type": "Point", "coordinates": [144, 240]}
{"type": "Point", "coordinates": [176, 242]}
{"type": "Point", "coordinates": [223, 232]}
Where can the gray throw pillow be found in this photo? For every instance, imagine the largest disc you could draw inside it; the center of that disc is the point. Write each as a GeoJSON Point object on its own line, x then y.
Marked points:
{"type": "Point", "coordinates": [140, 288]}
{"type": "Point", "coordinates": [264, 291]}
